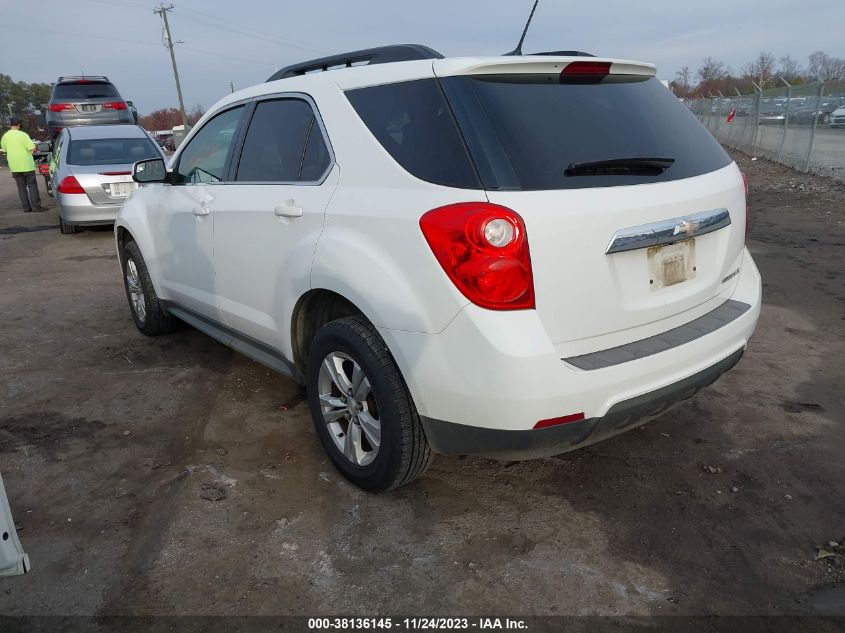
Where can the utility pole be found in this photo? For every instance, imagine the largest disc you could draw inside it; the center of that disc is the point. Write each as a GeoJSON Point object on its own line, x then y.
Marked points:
{"type": "Point", "coordinates": [163, 11]}
{"type": "Point", "coordinates": [231, 86]}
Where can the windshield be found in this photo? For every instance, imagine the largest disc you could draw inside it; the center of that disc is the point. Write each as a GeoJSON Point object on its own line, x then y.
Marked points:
{"type": "Point", "coordinates": [89, 90]}
{"type": "Point", "coordinates": [110, 151]}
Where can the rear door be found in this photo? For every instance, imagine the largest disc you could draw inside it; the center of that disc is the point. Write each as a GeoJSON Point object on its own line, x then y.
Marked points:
{"type": "Point", "coordinates": [13, 560]}
{"type": "Point", "coordinates": [268, 219]}
{"type": "Point", "coordinates": [596, 158]}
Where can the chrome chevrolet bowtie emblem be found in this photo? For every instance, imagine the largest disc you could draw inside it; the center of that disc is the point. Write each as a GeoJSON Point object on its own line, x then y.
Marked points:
{"type": "Point", "coordinates": [687, 227]}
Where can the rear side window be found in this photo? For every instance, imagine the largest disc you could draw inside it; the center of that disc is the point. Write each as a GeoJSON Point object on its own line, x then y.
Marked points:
{"type": "Point", "coordinates": [88, 90]}
{"type": "Point", "coordinates": [414, 123]}
{"type": "Point", "coordinates": [110, 151]}
{"type": "Point", "coordinates": [276, 142]}
{"type": "Point", "coordinates": [531, 132]}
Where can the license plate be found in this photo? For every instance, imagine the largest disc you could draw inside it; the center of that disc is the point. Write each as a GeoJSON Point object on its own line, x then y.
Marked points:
{"type": "Point", "coordinates": [671, 264]}
{"type": "Point", "coordinates": [88, 108]}
{"type": "Point", "coordinates": [122, 189]}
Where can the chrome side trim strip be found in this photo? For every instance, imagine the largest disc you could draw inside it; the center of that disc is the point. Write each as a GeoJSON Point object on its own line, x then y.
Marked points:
{"type": "Point", "coordinates": [668, 231]}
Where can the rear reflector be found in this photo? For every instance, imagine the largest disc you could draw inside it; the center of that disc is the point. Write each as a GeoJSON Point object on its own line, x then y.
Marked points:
{"type": "Point", "coordinates": [586, 68]}
{"type": "Point", "coordinates": [566, 419]}
{"type": "Point", "coordinates": [115, 173]}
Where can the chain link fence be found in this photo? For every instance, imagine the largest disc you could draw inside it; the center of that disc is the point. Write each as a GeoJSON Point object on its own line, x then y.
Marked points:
{"type": "Point", "coordinates": [802, 126]}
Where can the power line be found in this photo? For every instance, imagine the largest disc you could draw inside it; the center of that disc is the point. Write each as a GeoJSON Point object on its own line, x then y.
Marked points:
{"type": "Point", "coordinates": [246, 33]}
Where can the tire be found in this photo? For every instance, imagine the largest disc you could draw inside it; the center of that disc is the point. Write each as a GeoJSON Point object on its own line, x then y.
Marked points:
{"type": "Point", "coordinates": [67, 229]}
{"type": "Point", "coordinates": [149, 316]}
{"type": "Point", "coordinates": [402, 453]}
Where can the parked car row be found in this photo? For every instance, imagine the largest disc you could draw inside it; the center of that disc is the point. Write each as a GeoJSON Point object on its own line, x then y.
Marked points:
{"type": "Point", "coordinates": [773, 110]}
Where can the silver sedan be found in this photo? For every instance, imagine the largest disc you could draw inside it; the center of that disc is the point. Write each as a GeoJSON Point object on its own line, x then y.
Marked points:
{"type": "Point", "coordinates": [91, 171]}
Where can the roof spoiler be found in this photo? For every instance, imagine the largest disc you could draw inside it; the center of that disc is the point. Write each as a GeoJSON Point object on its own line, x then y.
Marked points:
{"type": "Point", "coordinates": [367, 56]}
{"type": "Point", "coordinates": [82, 78]}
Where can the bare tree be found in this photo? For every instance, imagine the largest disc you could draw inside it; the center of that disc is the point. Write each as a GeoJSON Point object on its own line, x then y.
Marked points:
{"type": "Point", "coordinates": [761, 70]}
{"type": "Point", "coordinates": [823, 67]}
{"type": "Point", "coordinates": [683, 76]}
{"type": "Point", "coordinates": [789, 69]}
{"type": "Point", "coordinates": [712, 69]}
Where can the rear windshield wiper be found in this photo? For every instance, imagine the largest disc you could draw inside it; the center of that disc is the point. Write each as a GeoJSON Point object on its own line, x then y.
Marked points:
{"type": "Point", "coordinates": [634, 166]}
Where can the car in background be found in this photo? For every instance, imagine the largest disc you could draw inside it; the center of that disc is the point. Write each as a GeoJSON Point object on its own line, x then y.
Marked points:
{"type": "Point", "coordinates": [772, 112]}
{"type": "Point", "coordinates": [91, 171]}
{"type": "Point", "coordinates": [85, 100]}
{"type": "Point", "coordinates": [837, 118]}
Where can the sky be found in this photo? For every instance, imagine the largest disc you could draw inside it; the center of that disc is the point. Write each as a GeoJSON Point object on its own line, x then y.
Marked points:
{"type": "Point", "coordinates": [245, 41]}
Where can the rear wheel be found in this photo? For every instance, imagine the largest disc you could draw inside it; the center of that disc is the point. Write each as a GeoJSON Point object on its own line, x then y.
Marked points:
{"type": "Point", "coordinates": [67, 229]}
{"type": "Point", "coordinates": [362, 411]}
{"type": "Point", "coordinates": [147, 312]}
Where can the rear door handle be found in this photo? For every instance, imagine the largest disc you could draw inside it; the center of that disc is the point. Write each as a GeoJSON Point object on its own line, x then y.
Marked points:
{"type": "Point", "coordinates": [288, 211]}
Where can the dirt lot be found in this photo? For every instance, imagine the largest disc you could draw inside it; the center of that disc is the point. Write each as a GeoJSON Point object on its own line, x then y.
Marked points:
{"type": "Point", "coordinates": [109, 442]}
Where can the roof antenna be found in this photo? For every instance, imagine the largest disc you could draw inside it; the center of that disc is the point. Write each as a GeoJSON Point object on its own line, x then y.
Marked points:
{"type": "Point", "coordinates": [518, 49]}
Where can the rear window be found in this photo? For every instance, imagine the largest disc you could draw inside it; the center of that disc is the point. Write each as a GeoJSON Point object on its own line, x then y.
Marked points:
{"type": "Point", "coordinates": [532, 132]}
{"type": "Point", "coordinates": [110, 151]}
{"type": "Point", "coordinates": [89, 90]}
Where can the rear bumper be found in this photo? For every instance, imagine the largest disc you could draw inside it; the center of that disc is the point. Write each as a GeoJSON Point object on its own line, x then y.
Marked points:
{"type": "Point", "coordinates": [491, 377]}
{"type": "Point", "coordinates": [459, 439]}
{"type": "Point", "coordinates": [78, 209]}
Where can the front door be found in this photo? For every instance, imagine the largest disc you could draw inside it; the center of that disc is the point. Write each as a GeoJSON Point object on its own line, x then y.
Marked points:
{"type": "Point", "coordinates": [182, 222]}
{"type": "Point", "coordinates": [267, 221]}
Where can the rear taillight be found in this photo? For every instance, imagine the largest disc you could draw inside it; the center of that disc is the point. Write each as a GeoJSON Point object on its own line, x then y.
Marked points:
{"type": "Point", "coordinates": [43, 168]}
{"type": "Point", "coordinates": [70, 185]}
{"type": "Point", "coordinates": [747, 217]}
{"type": "Point", "coordinates": [115, 105]}
{"type": "Point", "coordinates": [60, 107]}
{"type": "Point", "coordinates": [586, 68]}
{"type": "Point", "coordinates": [483, 248]}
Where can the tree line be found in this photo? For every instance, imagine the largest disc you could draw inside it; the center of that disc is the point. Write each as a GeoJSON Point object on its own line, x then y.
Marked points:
{"type": "Point", "coordinates": [713, 76]}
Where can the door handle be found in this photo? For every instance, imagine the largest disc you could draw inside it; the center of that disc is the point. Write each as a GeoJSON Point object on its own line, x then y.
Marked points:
{"type": "Point", "coordinates": [288, 211]}
{"type": "Point", "coordinates": [202, 210]}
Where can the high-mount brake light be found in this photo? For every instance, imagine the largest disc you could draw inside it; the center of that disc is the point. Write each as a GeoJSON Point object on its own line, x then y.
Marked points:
{"type": "Point", "coordinates": [70, 185]}
{"type": "Point", "coordinates": [586, 68]}
{"type": "Point", "coordinates": [483, 248]}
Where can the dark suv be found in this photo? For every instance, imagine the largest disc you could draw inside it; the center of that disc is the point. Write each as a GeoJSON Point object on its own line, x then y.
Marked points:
{"type": "Point", "coordinates": [85, 100]}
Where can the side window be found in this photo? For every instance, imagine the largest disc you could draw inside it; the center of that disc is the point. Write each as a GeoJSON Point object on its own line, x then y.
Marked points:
{"type": "Point", "coordinates": [204, 159]}
{"type": "Point", "coordinates": [275, 143]}
{"type": "Point", "coordinates": [316, 158]}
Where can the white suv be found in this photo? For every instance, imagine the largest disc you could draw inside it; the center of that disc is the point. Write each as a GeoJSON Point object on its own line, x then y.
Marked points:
{"type": "Point", "coordinates": [502, 256]}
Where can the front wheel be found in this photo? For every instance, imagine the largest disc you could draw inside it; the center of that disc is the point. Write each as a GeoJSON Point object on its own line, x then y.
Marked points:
{"type": "Point", "coordinates": [147, 312]}
{"type": "Point", "coordinates": [362, 411]}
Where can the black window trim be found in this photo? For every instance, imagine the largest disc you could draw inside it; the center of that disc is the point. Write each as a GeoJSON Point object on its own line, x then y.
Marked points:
{"type": "Point", "coordinates": [246, 104]}
{"type": "Point", "coordinates": [315, 112]}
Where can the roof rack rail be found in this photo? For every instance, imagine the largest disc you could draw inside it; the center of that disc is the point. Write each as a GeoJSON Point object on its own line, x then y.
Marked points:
{"type": "Point", "coordinates": [367, 56]}
{"type": "Point", "coordinates": [83, 78]}
{"type": "Point", "coordinates": [565, 54]}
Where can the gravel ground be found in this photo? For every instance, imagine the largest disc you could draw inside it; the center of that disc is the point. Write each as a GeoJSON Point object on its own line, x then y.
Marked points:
{"type": "Point", "coordinates": [173, 476]}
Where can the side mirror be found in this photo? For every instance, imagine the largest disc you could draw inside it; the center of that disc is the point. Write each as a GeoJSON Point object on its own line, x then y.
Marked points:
{"type": "Point", "coordinates": [151, 170]}
{"type": "Point", "coordinates": [130, 104]}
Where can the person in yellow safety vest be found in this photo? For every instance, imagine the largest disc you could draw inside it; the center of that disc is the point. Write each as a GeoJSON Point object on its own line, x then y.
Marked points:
{"type": "Point", "coordinates": [18, 148]}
